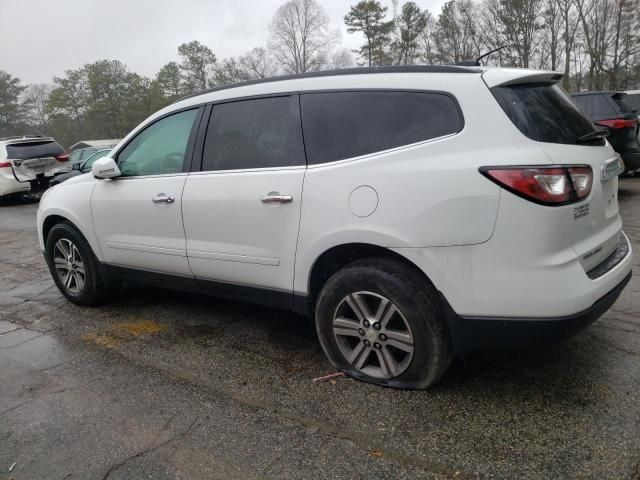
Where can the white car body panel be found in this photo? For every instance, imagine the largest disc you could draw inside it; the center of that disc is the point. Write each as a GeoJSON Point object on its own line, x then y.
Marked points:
{"type": "Point", "coordinates": [133, 231]}
{"type": "Point", "coordinates": [225, 245]}
{"type": "Point", "coordinates": [490, 252]}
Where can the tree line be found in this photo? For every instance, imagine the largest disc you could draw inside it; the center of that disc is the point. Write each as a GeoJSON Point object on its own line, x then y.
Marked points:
{"type": "Point", "coordinates": [595, 43]}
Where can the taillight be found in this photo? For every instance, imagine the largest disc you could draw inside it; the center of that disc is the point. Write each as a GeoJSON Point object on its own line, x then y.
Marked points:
{"type": "Point", "coordinates": [6, 163]}
{"type": "Point", "coordinates": [63, 157]}
{"type": "Point", "coordinates": [554, 186]}
{"type": "Point", "coordinates": [617, 123]}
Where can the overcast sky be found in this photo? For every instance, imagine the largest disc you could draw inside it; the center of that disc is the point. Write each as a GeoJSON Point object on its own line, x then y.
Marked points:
{"type": "Point", "coordinates": [42, 38]}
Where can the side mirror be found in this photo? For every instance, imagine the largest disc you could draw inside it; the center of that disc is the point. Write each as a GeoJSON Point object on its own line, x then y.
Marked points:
{"type": "Point", "coordinates": [76, 166]}
{"type": "Point", "coordinates": [105, 167]}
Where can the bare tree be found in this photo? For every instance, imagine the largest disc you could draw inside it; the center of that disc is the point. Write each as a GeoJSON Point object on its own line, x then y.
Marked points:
{"type": "Point", "coordinates": [550, 44]}
{"type": "Point", "coordinates": [258, 63]}
{"type": "Point", "coordinates": [300, 36]}
{"type": "Point", "coordinates": [456, 34]}
{"type": "Point", "coordinates": [570, 24]}
{"type": "Point", "coordinates": [35, 101]}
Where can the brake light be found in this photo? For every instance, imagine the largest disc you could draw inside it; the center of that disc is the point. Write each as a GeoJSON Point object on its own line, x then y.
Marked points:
{"type": "Point", "coordinates": [62, 157]}
{"type": "Point", "coordinates": [554, 186]}
{"type": "Point", "coordinates": [6, 163]}
{"type": "Point", "coordinates": [617, 123]}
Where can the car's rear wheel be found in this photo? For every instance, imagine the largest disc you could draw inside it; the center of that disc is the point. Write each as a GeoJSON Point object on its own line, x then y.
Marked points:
{"type": "Point", "coordinates": [74, 267]}
{"type": "Point", "coordinates": [380, 321]}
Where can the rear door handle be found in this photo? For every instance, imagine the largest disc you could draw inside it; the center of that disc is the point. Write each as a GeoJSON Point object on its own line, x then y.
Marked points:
{"type": "Point", "coordinates": [163, 198]}
{"type": "Point", "coordinates": [275, 197]}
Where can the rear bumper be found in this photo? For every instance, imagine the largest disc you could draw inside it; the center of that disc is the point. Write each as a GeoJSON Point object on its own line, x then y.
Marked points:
{"type": "Point", "coordinates": [471, 334]}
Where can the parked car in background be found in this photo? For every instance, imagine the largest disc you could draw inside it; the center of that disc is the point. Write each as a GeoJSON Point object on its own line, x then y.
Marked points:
{"type": "Point", "coordinates": [416, 213]}
{"type": "Point", "coordinates": [633, 100]}
{"type": "Point", "coordinates": [611, 110]}
{"type": "Point", "coordinates": [80, 151]}
{"type": "Point", "coordinates": [28, 163]}
{"type": "Point", "coordinates": [85, 167]}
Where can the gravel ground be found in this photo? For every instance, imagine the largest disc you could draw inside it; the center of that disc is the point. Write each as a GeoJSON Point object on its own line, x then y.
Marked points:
{"type": "Point", "coordinates": [160, 384]}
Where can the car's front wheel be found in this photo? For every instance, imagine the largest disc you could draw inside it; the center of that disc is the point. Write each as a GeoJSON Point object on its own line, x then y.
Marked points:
{"type": "Point", "coordinates": [74, 267]}
{"type": "Point", "coordinates": [379, 321]}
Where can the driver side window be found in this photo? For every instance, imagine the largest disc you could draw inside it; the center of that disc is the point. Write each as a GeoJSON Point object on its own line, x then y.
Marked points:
{"type": "Point", "coordinates": [160, 148]}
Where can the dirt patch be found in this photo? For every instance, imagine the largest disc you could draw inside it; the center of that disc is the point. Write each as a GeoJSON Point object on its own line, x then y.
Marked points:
{"type": "Point", "coordinates": [123, 332]}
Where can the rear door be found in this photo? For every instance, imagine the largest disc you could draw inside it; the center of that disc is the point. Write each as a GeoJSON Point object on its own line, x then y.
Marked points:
{"type": "Point", "coordinates": [545, 113]}
{"type": "Point", "coordinates": [242, 211]}
{"type": "Point", "coordinates": [37, 157]}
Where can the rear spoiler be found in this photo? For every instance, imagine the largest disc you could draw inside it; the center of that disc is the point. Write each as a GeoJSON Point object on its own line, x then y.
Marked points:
{"type": "Point", "coordinates": [516, 76]}
{"type": "Point", "coordinates": [15, 141]}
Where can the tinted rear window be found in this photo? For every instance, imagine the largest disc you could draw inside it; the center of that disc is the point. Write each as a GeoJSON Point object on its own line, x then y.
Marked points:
{"type": "Point", "coordinates": [23, 151]}
{"type": "Point", "coordinates": [544, 112]}
{"type": "Point", "coordinates": [633, 100]}
{"type": "Point", "coordinates": [259, 133]}
{"type": "Point", "coordinates": [597, 105]}
{"type": "Point", "coordinates": [339, 125]}
{"type": "Point", "coordinates": [623, 102]}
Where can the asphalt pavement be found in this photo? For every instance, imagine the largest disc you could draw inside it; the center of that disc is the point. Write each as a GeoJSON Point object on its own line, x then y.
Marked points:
{"type": "Point", "coordinates": [159, 384]}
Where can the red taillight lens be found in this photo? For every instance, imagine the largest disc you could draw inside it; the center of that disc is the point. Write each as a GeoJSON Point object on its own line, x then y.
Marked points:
{"type": "Point", "coordinates": [617, 123]}
{"type": "Point", "coordinates": [6, 163]}
{"type": "Point", "coordinates": [548, 186]}
{"type": "Point", "coordinates": [63, 157]}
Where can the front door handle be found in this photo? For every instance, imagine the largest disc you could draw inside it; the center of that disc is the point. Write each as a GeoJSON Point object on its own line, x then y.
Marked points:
{"type": "Point", "coordinates": [163, 198]}
{"type": "Point", "coordinates": [275, 197]}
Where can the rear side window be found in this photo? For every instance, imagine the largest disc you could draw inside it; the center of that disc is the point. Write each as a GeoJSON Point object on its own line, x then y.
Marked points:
{"type": "Point", "coordinates": [339, 125]}
{"type": "Point", "coordinates": [544, 112]}
{"type": "Point", "coordinates": [257, 133]}
{"type": "Point", "coordinates": [38, 149]}
{"type": "Point", "coordinates": [597, 105]}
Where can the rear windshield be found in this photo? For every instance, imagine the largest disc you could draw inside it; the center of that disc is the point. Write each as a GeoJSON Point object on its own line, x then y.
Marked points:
{"type": "Point", "coordinates": [39, 149]}
{"type": "Point", "coordinates": [544, 112]}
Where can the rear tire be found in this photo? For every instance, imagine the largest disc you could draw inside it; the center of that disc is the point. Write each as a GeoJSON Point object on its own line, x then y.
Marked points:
{"type": "Point", "coordinates": [74, 267]}
{"type": "Point", "coordinates": [380, 321]}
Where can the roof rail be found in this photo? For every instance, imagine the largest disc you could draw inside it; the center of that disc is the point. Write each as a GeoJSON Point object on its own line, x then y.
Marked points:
{"type": "Point", "coordinates": [346, 71]}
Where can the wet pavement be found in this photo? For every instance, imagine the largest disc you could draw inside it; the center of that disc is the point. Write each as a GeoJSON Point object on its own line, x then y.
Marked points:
{"type": "Point", "coordinates": [158, 384]}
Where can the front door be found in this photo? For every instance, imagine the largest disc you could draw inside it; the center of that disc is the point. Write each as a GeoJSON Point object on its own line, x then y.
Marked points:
{"type": "Point", "coordinates": [138, 217]}
{"type": "Point", "coordinates": [242, 211]}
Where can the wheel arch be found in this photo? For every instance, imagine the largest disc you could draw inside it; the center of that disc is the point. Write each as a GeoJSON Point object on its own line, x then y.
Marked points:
{"type": "Point", "coordinates": [339, 256]}
{"type": "Point", "coordinates": [52, 218]}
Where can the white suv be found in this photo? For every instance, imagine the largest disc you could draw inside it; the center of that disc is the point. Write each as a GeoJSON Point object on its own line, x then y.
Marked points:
{"type": "Point", "coordinates": [28, 163]}
{"type": "Point", "coordinates": [418, 213]}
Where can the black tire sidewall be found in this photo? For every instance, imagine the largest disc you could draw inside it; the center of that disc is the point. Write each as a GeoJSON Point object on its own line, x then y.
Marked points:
{"type": "Point", "coordinates": [416, 300]}
{"type": "Point", "coordinates": [94, 290]}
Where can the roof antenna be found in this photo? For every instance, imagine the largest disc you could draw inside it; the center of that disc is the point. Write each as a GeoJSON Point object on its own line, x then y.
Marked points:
{"type": "Point", "coordinates": [476, 62]}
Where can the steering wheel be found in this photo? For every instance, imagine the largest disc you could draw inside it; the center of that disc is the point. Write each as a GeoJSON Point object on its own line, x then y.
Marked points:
{"type": "Point", "coordinates": [172, 163]}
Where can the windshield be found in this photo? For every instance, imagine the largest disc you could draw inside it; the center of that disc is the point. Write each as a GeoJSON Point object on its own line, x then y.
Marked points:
{"type": "Point", "coordinates": [544, 112]}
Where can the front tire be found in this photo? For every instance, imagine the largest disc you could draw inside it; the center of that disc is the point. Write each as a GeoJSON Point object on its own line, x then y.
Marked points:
{"type": "Point", "coordinates": [380, 321]}
{"type": "Point", "coordinates": [74, 267]}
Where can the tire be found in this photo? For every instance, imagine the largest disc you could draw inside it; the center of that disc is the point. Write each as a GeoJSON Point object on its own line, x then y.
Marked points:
{"type": "Point", "coordinates": [414, 353]}
{"type": "Point", "coordinates": [89, 289]}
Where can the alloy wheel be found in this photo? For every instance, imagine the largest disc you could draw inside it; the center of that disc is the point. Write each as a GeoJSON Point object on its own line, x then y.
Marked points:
{"type": "Point", "coordinates": [69, 266]}
{"type": "Point", "coordinates": [373, 335]}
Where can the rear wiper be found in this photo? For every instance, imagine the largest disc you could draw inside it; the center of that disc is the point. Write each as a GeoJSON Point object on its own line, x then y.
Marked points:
{"type": "Point", "coordinates": [593, 136]}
